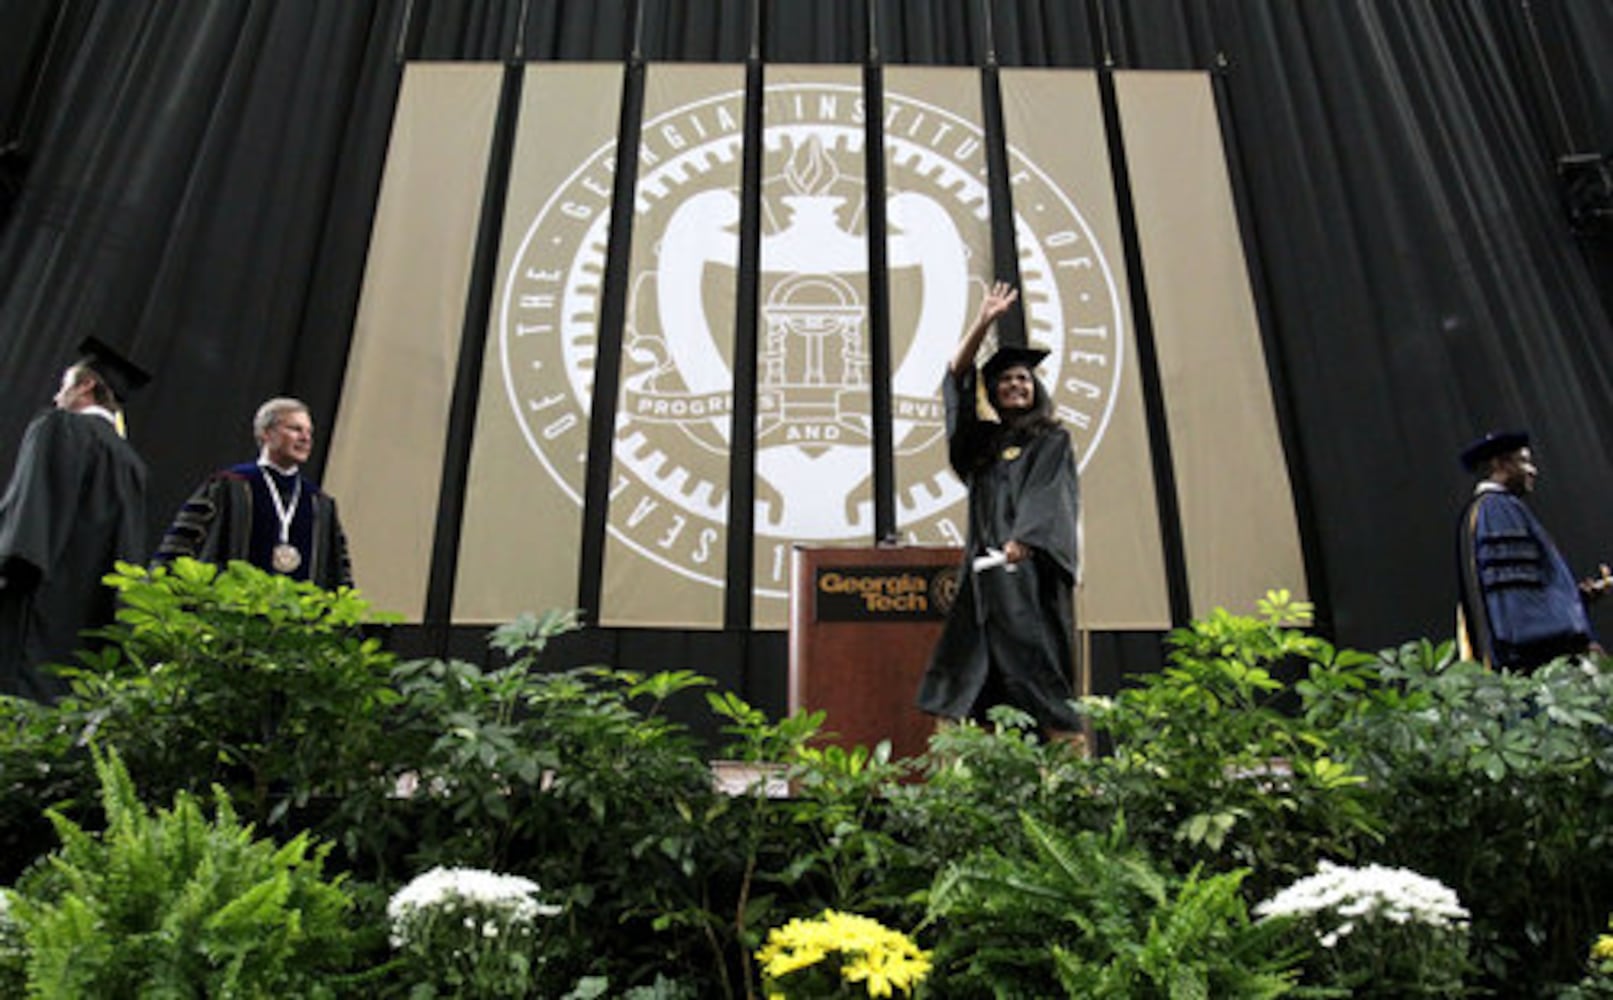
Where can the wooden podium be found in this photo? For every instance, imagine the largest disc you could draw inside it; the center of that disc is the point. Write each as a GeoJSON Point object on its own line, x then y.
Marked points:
{"type": "Point", "coordinates": [862, 624]}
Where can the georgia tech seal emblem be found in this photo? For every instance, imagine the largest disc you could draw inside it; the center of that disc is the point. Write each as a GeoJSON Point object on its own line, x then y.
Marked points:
{"type": "Point", "coordinates": [812, 437]}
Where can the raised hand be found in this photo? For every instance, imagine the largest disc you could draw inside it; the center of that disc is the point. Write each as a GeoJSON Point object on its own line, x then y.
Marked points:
{"type": "Point", "coordinates": [998, 300]}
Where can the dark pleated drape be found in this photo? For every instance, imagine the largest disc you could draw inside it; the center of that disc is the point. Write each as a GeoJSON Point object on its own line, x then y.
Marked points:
{"type": "Point", "coordinates": [195, 180]}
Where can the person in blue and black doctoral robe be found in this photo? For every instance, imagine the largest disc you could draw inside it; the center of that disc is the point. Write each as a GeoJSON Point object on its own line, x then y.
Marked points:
{"type": "Point", "coordinates": [1521, 606]}
{"type": "Point", "coordinates": [267, 513]}
{"type": "Point", "coordinates": [76, 504]}
{"type": "Point", "coordinates": [1010, 638]}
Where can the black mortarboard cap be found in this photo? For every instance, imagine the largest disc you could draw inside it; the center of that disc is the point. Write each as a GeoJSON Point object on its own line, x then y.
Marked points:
{"type": "Point", "coordinates": [1009, 355]}
{"type": "Point", "coordinates": [1492, 445]}
{"type": "Point", "coordinates": [121, 375]}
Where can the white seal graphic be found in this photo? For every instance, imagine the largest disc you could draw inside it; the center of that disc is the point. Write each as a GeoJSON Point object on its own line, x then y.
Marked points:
{"type": "Point", "coordinates": [813, 428]}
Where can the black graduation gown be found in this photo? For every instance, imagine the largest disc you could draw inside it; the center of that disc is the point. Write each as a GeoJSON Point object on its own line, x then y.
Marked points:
{"type": "Point", "coordinates": [1010, 638]}
{"type": "Point", "coordinates": [76, 504]}
{"type": "Point", "coordinates": [1521, 605]}
{"type": "Point", "coordinates": [231, 516]}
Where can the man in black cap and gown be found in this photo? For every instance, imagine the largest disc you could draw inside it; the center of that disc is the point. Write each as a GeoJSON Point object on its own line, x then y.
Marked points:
{"type": "Point", "coordinates": [1521, 606]}
{"type": "Point", "coordinates": [75, 505]}
{"type": "Point", "coordinates": [1010, 637]}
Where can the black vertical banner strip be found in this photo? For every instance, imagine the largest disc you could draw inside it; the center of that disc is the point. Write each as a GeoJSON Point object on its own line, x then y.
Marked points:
{"type": "Point", "coordinates": [608, 349]}
{"type": "Point", "coordinates": [1310, 539]}
{"type": "Point", "coordinates": [1159, 439]}
{"type": "Point", "coordinates": [409, 32]}
{"type": "Point", "coordinates": [468, 373]}
{"type": "Point", "coordinates": [737, 597]}
{"type": "Point", "coordinates": [879, 317]}
{"type": "Point", "coordinates": [1004, 247]}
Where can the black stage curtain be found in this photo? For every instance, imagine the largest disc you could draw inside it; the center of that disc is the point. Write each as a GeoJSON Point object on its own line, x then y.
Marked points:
{"type": "Point", "coordinates": [195, 180]}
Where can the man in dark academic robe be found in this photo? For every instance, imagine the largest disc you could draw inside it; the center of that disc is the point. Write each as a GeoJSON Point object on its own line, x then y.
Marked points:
{"type": "Point", "coordinates": [266, 512]}
{"type": "Point", "coordinates": [1520, 604]}
{"type": "Point", "coordinates": [1010, 637]}
{"type": "Point", "coordinates": [75, 505]}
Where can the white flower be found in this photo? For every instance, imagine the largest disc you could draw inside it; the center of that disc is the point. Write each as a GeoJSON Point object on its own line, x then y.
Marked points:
{"type": "Point", "coordinates": [1354, 894]}
{"type": "Point", "coordinates": [512, 898]}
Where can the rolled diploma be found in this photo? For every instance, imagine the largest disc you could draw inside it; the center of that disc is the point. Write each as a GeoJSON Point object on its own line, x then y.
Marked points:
{"type": "Point", "coordinates": [991, 560]}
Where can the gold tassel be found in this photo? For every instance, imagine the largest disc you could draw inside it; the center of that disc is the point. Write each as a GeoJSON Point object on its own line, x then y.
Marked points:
{"type": "Point", "coordinates": [984, 411]}
{"type": "Point", "coordinates": [1464, 644]}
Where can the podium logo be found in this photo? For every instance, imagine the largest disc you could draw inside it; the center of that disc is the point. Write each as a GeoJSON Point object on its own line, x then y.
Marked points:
{"type": "Point", "coordinates": [669, 497]}
{"type": "Point", "coordinates": [877, 594]}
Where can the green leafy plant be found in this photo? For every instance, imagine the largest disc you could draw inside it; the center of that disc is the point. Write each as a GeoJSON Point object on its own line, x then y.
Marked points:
{"type": "Point", "coordinates": [826, 845]}
{"type": "Point", "coordinates": [852, 860]}
{"type": "Point", "coordinates": [237, 677]}
{"type": "Point", "coordinates": [1211, 766]}
{"type": "Point", "coordinates": [576, 779]}
{"type": "Point", "coordinates": [977, 780]}
{"type": "Point", "coordinates": [757, 841]}
{"type": "Point", "coordinates": [40, 765]}
{"type": "Point", "coordinates": [1089, 915]}
{"type": "Point", "coordinates": [465, 756]}
{"type": "Point", "coordinates": [1258, 750]}
{"type": "Point", "coordinates": [169, 903]}
{"type": "Point", "coordinates": [1498, 784]}
{"type": "Point", "coordinates": [764, 855]}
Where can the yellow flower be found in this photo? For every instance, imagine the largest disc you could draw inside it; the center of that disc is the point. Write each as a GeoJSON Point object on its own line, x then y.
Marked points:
{"type": "Point", "coordinates": [786, 961]}
{"type": "Point", "coordinates": [869, 952]}
{"type": "Point", "coordinates": [1603, 948]}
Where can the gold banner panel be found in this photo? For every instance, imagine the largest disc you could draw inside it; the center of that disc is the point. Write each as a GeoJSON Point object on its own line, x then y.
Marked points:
{"type": "Point", "coordinates": [1072, 265]}
{"type": "Point", "coordinates": [522, 535]}
{"type": "Point", "coordinates": [386, 455]}
{"type": "Point", "coordinates": [814, 460]}
{"type": "Point", "coordinates": [1239, 528]}
{"type": "Point", "coordinates": [666, 549]}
